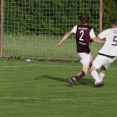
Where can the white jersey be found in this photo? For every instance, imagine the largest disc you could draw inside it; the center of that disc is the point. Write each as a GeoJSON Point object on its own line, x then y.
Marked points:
{"type": "Point", "coordinates": [110, 46]}
{"type": "Point", "coordinates": [92, 34]}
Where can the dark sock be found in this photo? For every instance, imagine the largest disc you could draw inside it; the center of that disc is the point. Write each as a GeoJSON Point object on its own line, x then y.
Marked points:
{"type": "Point", "coordinates": [79, 75]}
{"type": "Point", "coordinates": [90, 64]}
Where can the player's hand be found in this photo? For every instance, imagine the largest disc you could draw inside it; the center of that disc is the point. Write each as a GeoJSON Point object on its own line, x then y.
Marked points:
{"type": "Point", "coordinates": [58, 45]}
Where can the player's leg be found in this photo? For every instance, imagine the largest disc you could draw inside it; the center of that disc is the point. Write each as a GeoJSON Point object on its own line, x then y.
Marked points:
{"type": "Point", "coordinates": [97, 63]}
{"type": "Point", "coordinates": [104, 67]}
{"type": "Point", "coordinates": [79, 75]}
{"type": "Point", "coordinates": [102, 73]}
{"type": "Point", "coordinates": [82, 73]}
{"type": "Point", "coordinates": [94, 74]}
{"type": "Point", "coordinates": [85, 60]}
{"type": "Point", "coordinates": [91, 60]}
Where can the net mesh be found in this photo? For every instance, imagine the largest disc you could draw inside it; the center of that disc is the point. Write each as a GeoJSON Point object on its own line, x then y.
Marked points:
{"type": "Point", "coordinates": [32, 28]}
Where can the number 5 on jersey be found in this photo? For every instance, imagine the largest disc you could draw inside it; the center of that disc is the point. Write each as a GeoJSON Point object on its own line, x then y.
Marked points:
{"type": "Point", "coordinates": [115, 40]}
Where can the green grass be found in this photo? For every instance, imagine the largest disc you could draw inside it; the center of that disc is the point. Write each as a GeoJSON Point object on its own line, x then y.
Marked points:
{"type": "Point", "coordinates": [41, 46]}
{"type": "Point", "coordinates": [40, 89]}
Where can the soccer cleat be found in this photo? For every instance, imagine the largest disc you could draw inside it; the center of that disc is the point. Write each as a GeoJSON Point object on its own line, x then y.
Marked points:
{"type": "Point", "coordinates": [99, 84]}
{"type": "Point", "coordinates": [71, 82]}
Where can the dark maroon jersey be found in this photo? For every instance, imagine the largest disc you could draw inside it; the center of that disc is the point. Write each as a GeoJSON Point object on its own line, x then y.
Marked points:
{"type": "Point", "coordinates": [83, 38]}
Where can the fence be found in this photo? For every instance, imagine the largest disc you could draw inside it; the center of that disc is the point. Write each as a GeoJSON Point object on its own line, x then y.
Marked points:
{"type": "Point", "coordinates": [32, 28]}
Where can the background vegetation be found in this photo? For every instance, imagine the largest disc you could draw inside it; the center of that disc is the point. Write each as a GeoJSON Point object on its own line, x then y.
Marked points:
{"type": "Point", "coordinates": [53, 17]}
{"type": "Point", "coordinates": [109, 12]}
{"type": "Point", "coordinates": [34, 27]}
{"type": "Point", "coordinates": [61, 14]}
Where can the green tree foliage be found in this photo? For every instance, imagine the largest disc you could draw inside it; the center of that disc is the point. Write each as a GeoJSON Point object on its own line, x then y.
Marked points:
{"type": "Point", "coordinates": [109, 12]}
{"type": "Point", "coordinates": [53, 16]}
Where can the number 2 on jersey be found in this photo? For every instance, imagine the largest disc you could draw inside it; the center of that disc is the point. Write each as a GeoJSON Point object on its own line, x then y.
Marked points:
{"type": "Point", "coordinates": [115, 40]}
{"type": "Point", "coordinates": [82, 33]}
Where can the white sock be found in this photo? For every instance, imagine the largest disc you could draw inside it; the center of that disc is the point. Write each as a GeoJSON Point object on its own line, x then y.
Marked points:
{"type": "Point", "coordinates": [101, 76]}
{"type": "Point", "coordinates": [74, 79]}
{"type": "Point", "coordinates": [95, 76]}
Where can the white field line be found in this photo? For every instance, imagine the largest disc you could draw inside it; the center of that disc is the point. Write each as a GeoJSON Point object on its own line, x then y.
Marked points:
{"type": "Point", "coordinates": [43, 66]}
{"type": "Point", "coordinates": [27, 98]}
{"type": "Point", "coordinates": [18, 98]}
{"type": "Point", "coordinates": [18, 66]}
{"type": "Point", "coordinates": [56, 100]}
{"type": "Point", "coordinates": [33, 65]}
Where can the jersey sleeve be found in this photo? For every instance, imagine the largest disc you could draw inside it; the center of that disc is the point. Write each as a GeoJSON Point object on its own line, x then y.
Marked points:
{"type": "Point", "coordinates": [74, 29]}
{"type": "Point", "coordinates": [92, 34]}
{"type": "Point", "coordinates": [103, 34]}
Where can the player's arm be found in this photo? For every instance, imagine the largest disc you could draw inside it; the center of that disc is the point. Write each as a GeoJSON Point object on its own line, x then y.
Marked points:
{"type": "Point", "coordinates": [100, 44]}
{"type": "Point", "coordinates": [64, 38]}
{"type": "Point", "coordinates": [98, 40]}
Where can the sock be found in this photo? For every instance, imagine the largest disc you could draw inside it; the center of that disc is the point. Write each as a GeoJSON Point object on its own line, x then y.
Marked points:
{"type": "Point", "coordinates": [78, 76]}
{"type": "Point", "coordinates": [95, 76]}
{"type": "Point", "coordinates": [90, 64]}
{"type": "Point", "coordinates": [101, 76]}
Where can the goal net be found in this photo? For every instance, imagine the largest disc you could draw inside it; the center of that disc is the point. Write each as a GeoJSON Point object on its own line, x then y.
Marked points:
{"type": "Point", "coordinates": [32, 28]}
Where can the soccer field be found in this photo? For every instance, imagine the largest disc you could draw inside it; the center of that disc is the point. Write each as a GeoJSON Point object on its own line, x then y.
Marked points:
{"type": "Point", "coordinates": [40, 89]}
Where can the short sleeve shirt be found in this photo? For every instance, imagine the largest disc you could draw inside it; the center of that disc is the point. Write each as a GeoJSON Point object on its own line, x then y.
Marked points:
{"type": "Point", "coordinates": [110, 46]}
{"type": "Point", "coordinates": [92, 34]}
{"type": "Point", "coordinates": [83, 35]}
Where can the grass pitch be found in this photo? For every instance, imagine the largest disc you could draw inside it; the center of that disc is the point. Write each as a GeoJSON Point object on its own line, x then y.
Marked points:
{"type": "Point", "coordinates": [41, 46]}
{"type": "Point", "coordinates": [40, 89]}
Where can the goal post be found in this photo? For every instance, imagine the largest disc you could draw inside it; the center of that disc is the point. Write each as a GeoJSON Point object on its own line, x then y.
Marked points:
{"type": "Point", "coordinates": [1, 26]}
{"type": "Point", "coordinates": [100, 15]}
{"type": "Point", "coordinates": [32, 28]}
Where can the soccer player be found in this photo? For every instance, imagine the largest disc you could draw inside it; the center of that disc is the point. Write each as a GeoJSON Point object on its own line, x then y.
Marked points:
{"type": "Point", "coordinates": [107, 54]}
{"type": "Point", "coordinates": [83, 34]}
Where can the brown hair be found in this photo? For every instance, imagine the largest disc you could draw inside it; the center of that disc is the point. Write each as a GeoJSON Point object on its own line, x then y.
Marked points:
{"type": "Point", "coordinates": [84, 19]}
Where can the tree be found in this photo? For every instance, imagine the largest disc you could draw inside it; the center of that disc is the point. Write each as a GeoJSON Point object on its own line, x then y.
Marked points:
{"type": "Point", "coordinates": [109, 12]}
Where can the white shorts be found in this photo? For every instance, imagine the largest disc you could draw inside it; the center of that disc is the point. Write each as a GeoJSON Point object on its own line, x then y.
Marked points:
{"type": "Point", "coordinates": [85, 58]}
{"type": "Point", "coordinates": [102, 61]}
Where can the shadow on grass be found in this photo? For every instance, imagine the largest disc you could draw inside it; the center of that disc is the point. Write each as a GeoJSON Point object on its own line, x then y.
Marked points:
{"type": "Point", "coordinates": [86, 81]}
{"type": "Point", "coordinates": [52, 78]}
{"type": "Point", "coordinates": [83, 81]}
